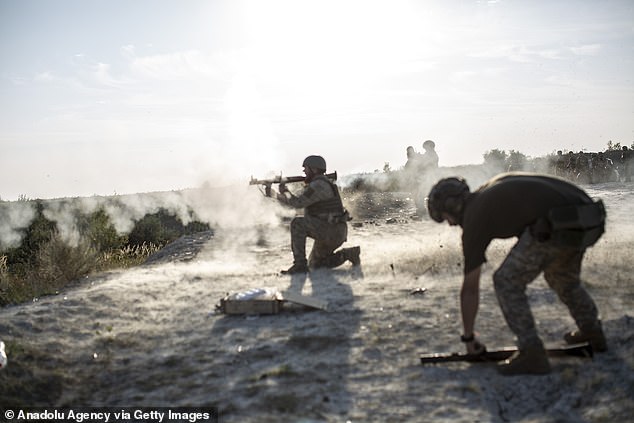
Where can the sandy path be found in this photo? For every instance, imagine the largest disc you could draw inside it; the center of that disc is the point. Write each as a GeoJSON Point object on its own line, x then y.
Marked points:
{"type": "Point", "coordinates": [150, 336]}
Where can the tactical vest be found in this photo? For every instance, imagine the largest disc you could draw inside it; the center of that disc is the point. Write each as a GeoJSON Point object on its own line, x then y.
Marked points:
{"type": "Point", "coordinates": [332, 207]}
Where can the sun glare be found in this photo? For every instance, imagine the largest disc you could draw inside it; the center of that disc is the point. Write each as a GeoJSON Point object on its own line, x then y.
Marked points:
{"type": "Point", "coordinates": [328, 51]}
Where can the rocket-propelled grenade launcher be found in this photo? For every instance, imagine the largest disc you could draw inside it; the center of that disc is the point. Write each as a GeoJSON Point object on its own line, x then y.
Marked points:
{"type": "Point", "coordinates": [575, 350]}
{"type": "Point", "coordinates": [283, 180]}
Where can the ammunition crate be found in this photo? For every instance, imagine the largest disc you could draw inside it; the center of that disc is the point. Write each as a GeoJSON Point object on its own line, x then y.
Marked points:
{"type": "Point", "coordinates": [264, 306]}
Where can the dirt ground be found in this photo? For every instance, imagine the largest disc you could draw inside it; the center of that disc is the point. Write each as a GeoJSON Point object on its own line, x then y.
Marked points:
{"type": "Point", "coordinates": [151, 336]}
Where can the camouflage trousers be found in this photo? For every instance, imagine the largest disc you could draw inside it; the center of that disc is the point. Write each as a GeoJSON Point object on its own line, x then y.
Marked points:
{"type": "Point", "coordinates": [561, 267]}
{"type": "Point", "coordinates": [328, 237]}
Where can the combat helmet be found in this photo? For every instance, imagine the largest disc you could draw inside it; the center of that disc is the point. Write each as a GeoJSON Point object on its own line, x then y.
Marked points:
{"type": "Point", "coordinates": [316, 162]}
{"type": "Point", "coordinates": [447, 196]}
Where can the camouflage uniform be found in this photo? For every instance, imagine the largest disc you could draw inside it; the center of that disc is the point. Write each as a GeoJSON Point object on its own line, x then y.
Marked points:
{"type": "Point", "coordinates": [561, 267]}
{"type": "Point", "coordinates": [328, 237]}
{"type": "Point", "coordinates": [324, 221]}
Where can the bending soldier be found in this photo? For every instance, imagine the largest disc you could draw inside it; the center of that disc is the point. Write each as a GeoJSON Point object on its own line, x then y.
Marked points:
{"type": "Point", "coordinates": [325, 221]}
{"type": "Point", "coordinates": [555, 222]}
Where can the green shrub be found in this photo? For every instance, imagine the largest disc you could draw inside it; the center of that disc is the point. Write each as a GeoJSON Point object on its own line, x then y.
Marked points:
{"type": "Point", "coordinates": [161, 228]}
{"type": "Point", "coordinates": [20, 259]}
{"type": "Point", "coordinates": [99, 230]}
{"type": "Point", "coordinates": [59, 263]}
{"type": "Point", "coordinates": [44, 263]}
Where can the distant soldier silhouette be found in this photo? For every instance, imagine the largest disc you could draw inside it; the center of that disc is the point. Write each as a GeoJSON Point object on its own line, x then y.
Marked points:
{"type": "Point", "coordinates": [411, 170]}
{"type": "Point", "coordinates": [571, 165]}
{"type": "Point", "coordinates": [413, 160]}
{"type": "Point", "coordinates": [582, 167]}
{"type": "Point", "coordinates": [429, 159]}
{"type": "Point", "coordinates": [626, 163]}
{"type": "Point", "coordinates": [416, 169]}
{"type": "Point", "coordinates": [560, 164]}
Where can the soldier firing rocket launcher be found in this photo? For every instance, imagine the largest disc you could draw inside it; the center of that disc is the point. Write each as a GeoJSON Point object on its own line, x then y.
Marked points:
{"type": "Point", "coordinates": [283, 180]}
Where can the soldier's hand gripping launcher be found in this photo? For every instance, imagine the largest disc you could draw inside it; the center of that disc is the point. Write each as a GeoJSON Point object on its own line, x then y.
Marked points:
{"type": "Point", "coordinates": [283, 180]}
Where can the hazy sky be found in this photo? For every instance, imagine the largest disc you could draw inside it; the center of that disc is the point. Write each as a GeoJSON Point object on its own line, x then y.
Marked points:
{"type": "Point", "coordinates": [103, 97]}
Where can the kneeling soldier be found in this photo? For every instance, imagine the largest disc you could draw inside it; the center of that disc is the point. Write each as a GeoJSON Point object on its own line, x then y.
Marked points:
{"type": "Point", "coordinates": [325, 220]}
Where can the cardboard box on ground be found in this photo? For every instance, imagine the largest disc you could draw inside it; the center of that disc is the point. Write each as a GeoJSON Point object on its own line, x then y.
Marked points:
{"type": "Point", "coordinates": [265, 301]}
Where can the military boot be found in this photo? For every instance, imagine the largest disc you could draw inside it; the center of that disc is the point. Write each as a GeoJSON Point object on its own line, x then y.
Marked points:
{"type": "Point", "coordinates": [353, 255]}
{"type": "Point", "coordinates": [527, 361]}
{"type": "Point", "coordinates": [595, 338]}
{"type": "Point", "coordinates": [295, 269]}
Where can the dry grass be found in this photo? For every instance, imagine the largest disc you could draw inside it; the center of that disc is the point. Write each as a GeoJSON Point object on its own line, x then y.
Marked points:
{"type": "Point", "coordinates": [59, 264]}
{"type": "Point", "coordinates": [127, 256]}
